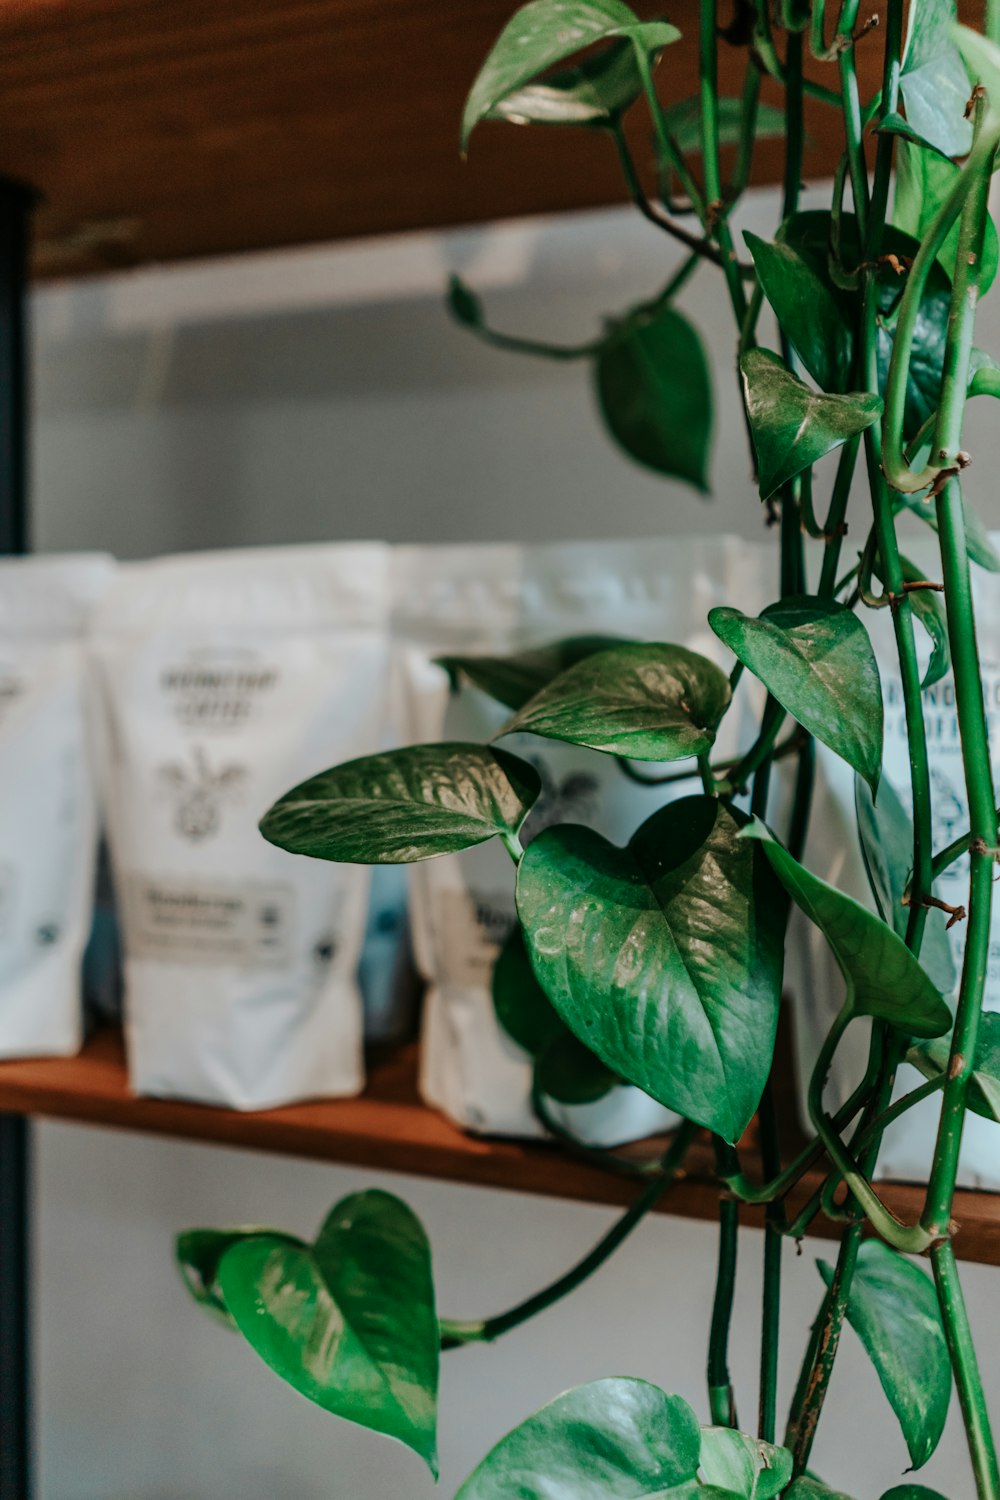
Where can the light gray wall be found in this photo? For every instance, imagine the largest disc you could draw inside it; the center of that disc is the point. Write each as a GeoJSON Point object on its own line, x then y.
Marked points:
{"type": "Point", "coordinates": [324, 394]}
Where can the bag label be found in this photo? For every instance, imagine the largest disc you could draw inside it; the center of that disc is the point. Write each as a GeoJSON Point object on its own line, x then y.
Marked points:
{"type": "Point", "coordinates": [198, 922]}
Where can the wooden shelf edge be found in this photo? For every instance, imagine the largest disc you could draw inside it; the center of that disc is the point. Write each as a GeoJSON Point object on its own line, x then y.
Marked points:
{"type": "Point", "coordinates": [388, 1129]}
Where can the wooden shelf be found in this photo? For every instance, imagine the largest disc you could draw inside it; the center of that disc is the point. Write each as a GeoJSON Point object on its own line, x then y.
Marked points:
{"type": "Point", "coordinates": [161, 129]}
{"type": "Point", "coordinates": [388, 1129]}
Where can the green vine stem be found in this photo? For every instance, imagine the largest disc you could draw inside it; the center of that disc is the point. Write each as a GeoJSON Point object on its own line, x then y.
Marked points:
{"type": "Point", "coordinates": [721, 1400]}
{"type": "Point", "coordinates": [817, 1367]}
{"type": "Point", "coordinates": [455, 1334]}
{"type": "Point", "coordinates": [963, 1360]}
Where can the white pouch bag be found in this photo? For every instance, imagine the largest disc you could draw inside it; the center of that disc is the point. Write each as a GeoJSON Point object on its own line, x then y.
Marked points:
{"type": "Point", "coordinates": [834, 852]}
{"type": "Point", "coordinates": [227, 678]}
{"type": "Point", "coordinates": [48, 814]}
{"type": "Point", "coordinates": [477, 600]}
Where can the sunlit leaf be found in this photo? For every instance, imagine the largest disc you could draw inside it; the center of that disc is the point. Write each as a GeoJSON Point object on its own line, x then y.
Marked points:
{"type": "Point", "coordinates": [793, 426]}
{"type": "Point", "coordinates": [198, 1253]}
{"type": "Point", "coordinates": [655, 395]}
{"type": "Point", "coordinates": [933, 80]}
{"type": "Point", "coordinates": [544, 33]}
{"type": "Point", "coordinates": [814, 655]}
{"type": "Point", "coordinates": [665, 957]}
{"type": "Point", "coordinates": [596, 93]}
{"type": "Point", "coordinates": [886, 833]}
{"type": "Point", "coordinates": [647, 702]}
{"type": "Point", "coordinates": [893, 1308]}
{"type": "Point", "coordinates": [983, 1097]}
{"type": "Point", "coordinates": [405, 805]}
{"type": "Point", "coordinates": [610, 1440]}
{"type": "Point", "coordinates": [348, 1321]}
{"type": "Point", "coordinates": [883, 978]}
{"type": "Point", "coordinates": [513, 679]}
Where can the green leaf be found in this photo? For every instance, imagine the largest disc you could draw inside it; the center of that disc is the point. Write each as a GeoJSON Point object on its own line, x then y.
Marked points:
{"type": "Point", "coordinates": [522, 1007]}
{"type": "Point", "coordinates": [568, 1072]}
{"type": "Point", "coordinates": [977, 539]}
{"type": "Point", "coordinates": [546, 32]}
{"type": "Point", "coordinates": [883, 978]}
{"type": "Point", "coordinates": [911, 1492]}
{"type": "Point", "coordinates": [655, 395]}
{"type": "Point", "coordinates": [982, 59]}
{"type": "Point", "coordinates": [815, 657]}
{"type": "Point", "coordinates": [512, 680]}
{"type": "Point", "coordinates": [405, 805]}
{"type": "Point", "coordinates": [743, 1465]}
{"type": "Point", "coordinates": [198, 1253]}
{"type": "Point", "coordinates": [810, 312]}
{"type": "Point", "coordinates": [894, 124]}
{"type": "Point", "coordinates": [596, 93]}
{"type": "Point", "coordinates": [933, 80]}
{"type": "Point", "coordinates": [984, 1087]}
{"type": "Point", "coordinates": [792, 426]}
{"type": "Point", "coordinates": [886, 833]}
{"type": "Point", "coordinates": [923, 181]}
{"type": "Point", "coordinates": [610, 1440]}
{"type": "Point", "coordinates": [664, 957]}
{"type": "Point", "coordinates": [893, 1308]}
{"type": "Point", "coordinates": [808, 1488]}
{"type": "Point", "coordinates": [463, 304]}
{"type": "Point", "coordinates": [647, 702]}
{"type": "Point", "coordinates": [684, 121]}
{"type": "Point", "coordinates": [928, 606]}
{"type": "Point", "coordinates": [349, 1321]}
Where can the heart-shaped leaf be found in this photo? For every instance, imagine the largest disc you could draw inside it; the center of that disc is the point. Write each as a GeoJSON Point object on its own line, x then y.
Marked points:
{"type": "Point", "coordinates": [743, 1465]}
{"type": "Point", "coordinates": [793, 426]}
{"type": "Point", "coordinates": [886, 834]}
{"type": "Point", "coordinates": [984, 1087]}
{"type": "Point", "coordinates": [933, 80]}
{"type": "Point", "coordinates": [664, 957]}
{"type": "Point", "coordinates": [893, 1308]}
{"type": "Point", "coordinates": [610, 1440]}
{"type": "Point", "coordinates": [814, 655]}
{"type": "Point", "coordinates": [923, 181]}
{"type": "Point", "coordinates": [655, 395]}
{"type": "Point", "coordinates": [596, 93]}
{"type": "Point", "coordinates": [512, 680]}
{"type": "Point", "coordinates": [405, 805]}
{"type": "Point", "coordinates": [647, 702]}
{"type": "Point", "coordinates": [883, 978]}
{"type": "Point", "coordinates": [811, 314]}
{"type": "Point", "coordinates": [348, 1321]}
{"type": "Point", "coordinates": [546, 32]}
{"type": "Point", "coordinates": [198, 1253]}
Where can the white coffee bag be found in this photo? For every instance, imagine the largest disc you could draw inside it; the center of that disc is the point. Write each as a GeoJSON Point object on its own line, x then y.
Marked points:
{"type": "Point", "coordinates": [227, 678]}
{"type": "Point", "coordinates": [474, 600]}
{"type": "Point", "coordinates": [48, 813]}
{"type": "Point", "coordinates": [834, 852]}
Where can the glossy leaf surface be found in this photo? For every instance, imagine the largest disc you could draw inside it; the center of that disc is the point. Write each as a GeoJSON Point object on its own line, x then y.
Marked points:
{"type": "Point", "coordinates": [793, 426]}
{"type": "Point", "coordinates": [883, 978]}
{"type": "Point", "coordinates": [984, 1087]}
{"type": "Point", "coordinates": [933, 80]}
{"type": "Point", "coordinates": [815, 656]}
{"type": "Point", "coordinates": [349, 1321]}
{"type": "Point", "coordinates": [544, 33]}
{"type": "Point", "coordinates": [513, 679]}
{"type": "Point", "coordinates": [610, 1440]}
{"type": "Point", "coordinates": [198, 1253]}
{"type": "Point", "coordinates": [664, 957]}
{"type": "Point", "coordinates": [885, 830]}
{"type": "Point", "coordinates": [596, 93]}
{"type": "Point", "coordinates": [405, 805]}
{"type": "Point", "coordinates": [809, 311]}
{"type": "Point", "coordinates": [893, 1308]}
{"type": "Point", "coordinates": [647, 702]}
{"type": "Point", "coordinates": [742, 1465]}
{"type": "Point", "coordinates": [655, 395]}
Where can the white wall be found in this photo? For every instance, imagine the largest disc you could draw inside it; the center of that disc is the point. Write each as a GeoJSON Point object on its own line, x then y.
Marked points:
{"type": "Point", "coordinates": [324, 394]}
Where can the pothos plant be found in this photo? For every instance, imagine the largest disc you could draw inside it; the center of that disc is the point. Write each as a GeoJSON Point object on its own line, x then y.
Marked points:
{"type": "Point", "coordinates": [661, 963]}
